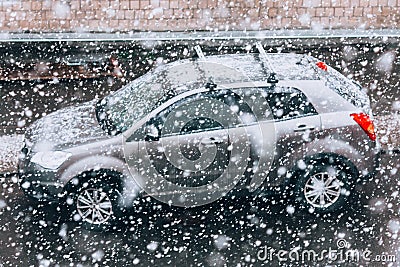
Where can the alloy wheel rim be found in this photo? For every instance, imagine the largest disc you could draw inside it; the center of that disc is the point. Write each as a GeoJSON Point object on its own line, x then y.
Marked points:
{"type": "Point", "coordinates": [94, 206]}
{"type": "Point", "coordinates": [322, 190]}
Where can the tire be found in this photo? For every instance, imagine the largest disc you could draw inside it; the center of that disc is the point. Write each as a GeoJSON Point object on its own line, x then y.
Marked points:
{"type": "Point", "coordinates": [95, 205]}
{"type": "Point", "coordinates": [325, 186]}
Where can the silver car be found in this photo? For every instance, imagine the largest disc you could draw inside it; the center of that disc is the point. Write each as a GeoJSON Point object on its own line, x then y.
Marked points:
{"type": "Point", "coordinates": [287, 124]}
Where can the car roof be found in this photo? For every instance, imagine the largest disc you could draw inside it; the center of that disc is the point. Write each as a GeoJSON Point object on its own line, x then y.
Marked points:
{"type": "Point", "coordinates": [188, 74]}
{"type": "Point", "coordinates": [288, 66]}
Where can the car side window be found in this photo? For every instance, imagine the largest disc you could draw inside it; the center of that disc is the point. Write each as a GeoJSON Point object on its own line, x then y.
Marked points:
{"type": "Point", "coordinates": [256, 102]}
{"type": "Point", "coordinates": [240, 112]}
{"type": "Point", "coordinates": [199, 125]}
{"type": "Point", "coordinates": [185, 108]}
{"type": "Point", "coordinates": [276, 103]}
{"type": "Point", "coordinates": [162, 123]}
{"type": "Point", "coordinates": [287, 103]}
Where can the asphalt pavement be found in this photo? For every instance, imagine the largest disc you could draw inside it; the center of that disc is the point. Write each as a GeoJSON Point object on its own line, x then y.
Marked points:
{"type": "Point", "coordinates": [35, 235]}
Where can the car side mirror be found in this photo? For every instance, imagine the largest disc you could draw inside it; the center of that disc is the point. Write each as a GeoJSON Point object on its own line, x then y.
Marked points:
{"type": "Point", "coordinates": [152, 133]}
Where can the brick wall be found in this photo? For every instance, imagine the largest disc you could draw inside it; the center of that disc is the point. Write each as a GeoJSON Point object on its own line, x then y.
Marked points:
{"type": "Point", "coordinates": [179, 15]}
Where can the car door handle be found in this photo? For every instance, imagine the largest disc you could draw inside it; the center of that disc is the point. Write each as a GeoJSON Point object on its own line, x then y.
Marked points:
{"type": "Point", "coordinates": [303, 128]}
{"type": "Point", "coordinates": [211, 141]}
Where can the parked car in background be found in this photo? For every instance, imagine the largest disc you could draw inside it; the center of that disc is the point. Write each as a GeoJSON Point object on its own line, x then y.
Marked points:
{"type": "Point", "coordinates": [82, 66]}
{"type": "Point", "coordinates": [324, 137]}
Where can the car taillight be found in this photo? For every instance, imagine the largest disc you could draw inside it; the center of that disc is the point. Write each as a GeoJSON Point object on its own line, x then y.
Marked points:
{"type": "Point", "coordinates": [366, 124]}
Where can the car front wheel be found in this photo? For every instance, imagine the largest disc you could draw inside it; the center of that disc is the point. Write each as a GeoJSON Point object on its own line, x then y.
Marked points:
{"type": "Point", "coordinates": [95, 205]}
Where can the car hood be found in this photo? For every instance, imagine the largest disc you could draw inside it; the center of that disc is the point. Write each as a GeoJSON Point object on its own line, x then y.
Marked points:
{"type": "Point", "coordinates": [65, 128]}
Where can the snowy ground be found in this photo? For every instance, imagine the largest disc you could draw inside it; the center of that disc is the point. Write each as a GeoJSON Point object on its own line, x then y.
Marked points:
{"type": "Point", "coordinates": [10, 145]}
{"type": "Point", "coordinates": [33, 235]}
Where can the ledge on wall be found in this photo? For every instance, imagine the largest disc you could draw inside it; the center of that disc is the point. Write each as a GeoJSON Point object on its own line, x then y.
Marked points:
{"type": "Point", "coordinates": [275, 36]}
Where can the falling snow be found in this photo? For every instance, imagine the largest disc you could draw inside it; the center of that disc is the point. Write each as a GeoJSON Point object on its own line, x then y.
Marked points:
{"type": "Point", "coordinates": [307, 132]}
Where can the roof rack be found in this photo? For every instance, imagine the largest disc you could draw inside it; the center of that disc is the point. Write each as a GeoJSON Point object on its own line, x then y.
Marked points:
{"type": "Point", "coordinates": [199, 52]}
{"type": "Point", "coordinates": [265, 58]}
{"type": "Point", "coordinates": [210, 84]}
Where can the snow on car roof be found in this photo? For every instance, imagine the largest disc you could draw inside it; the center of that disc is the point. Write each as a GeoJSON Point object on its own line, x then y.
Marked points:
{"type": "Point", "coordinates": [248, 67]}
{"type": "Point", "coordinates": [287, 66]}
{"type": "Point", "coordinates": [186, 74]}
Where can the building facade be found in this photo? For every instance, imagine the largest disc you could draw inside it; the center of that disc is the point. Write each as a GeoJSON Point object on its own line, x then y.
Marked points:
{"type": "Point", "coordinates": [188, 15]}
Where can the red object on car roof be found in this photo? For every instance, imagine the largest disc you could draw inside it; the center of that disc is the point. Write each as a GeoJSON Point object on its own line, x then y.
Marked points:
{"type": "Point", "coordinates": [322, 66]}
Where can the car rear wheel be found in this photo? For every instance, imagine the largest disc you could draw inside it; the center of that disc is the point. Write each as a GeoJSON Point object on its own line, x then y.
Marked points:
{"type": "Point", "coordinates": [324, 187]}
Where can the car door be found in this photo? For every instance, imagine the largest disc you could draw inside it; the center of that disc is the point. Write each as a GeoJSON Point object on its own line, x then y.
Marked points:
{"type": "Point", "coordinates": [297, 124]}
{"type": "Point", "coordinates": [254, 134]}
{"type": "Point", "coordinates": [188, 143]}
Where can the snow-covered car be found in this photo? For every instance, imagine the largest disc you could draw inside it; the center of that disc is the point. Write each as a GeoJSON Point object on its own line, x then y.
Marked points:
{"type": "Point", "coordinates": [323, 136]}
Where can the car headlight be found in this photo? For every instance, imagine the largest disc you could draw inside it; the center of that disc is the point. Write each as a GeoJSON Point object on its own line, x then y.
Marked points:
{"type": "Point", "coordinates": [50, 159]}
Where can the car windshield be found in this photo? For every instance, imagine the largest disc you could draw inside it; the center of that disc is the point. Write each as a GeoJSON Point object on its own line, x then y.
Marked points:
{"type": "Point", "coordinates": [123, 108]}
